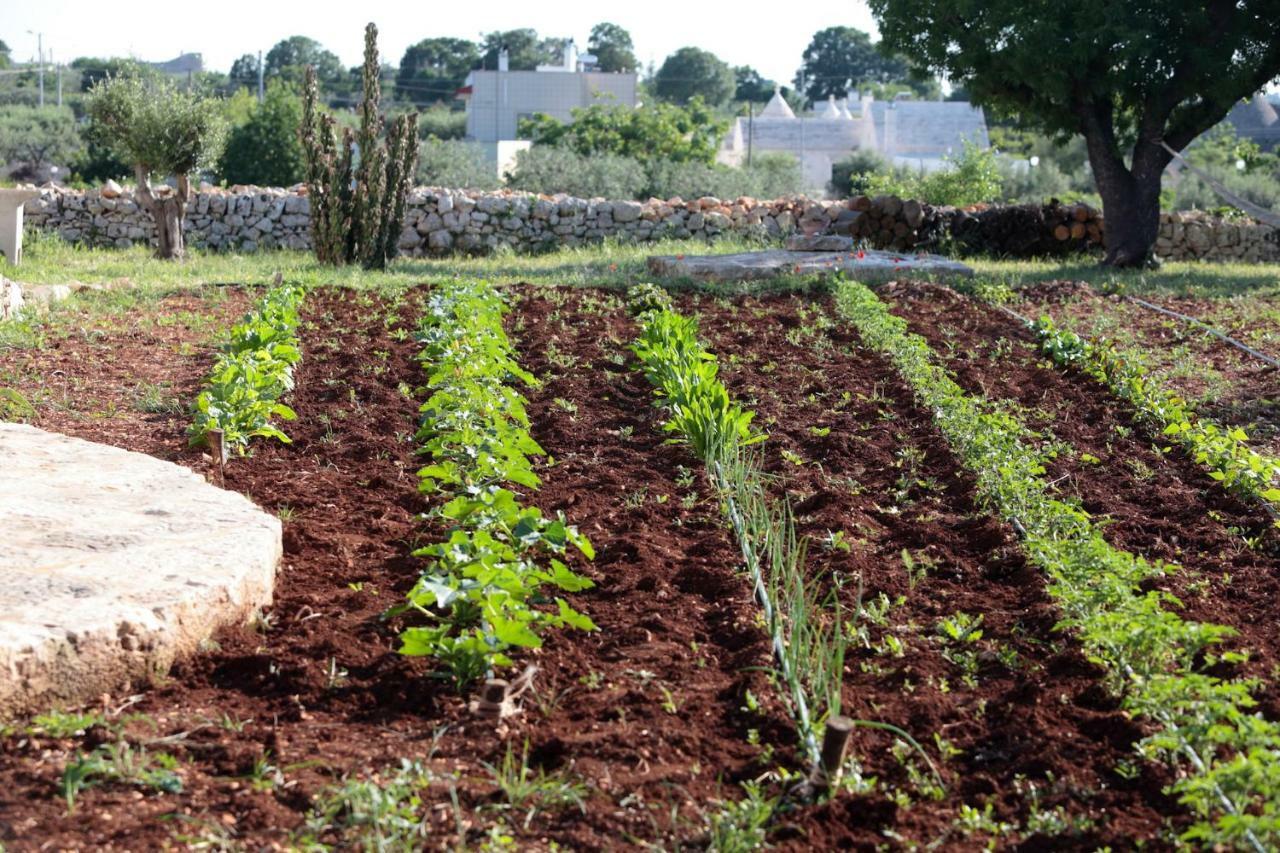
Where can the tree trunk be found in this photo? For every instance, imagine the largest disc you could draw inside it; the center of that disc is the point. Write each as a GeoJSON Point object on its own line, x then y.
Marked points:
{"type": "Point", "coordinates": [168, 212]}
{"type": "Point", "coordinates": [1131, 207]}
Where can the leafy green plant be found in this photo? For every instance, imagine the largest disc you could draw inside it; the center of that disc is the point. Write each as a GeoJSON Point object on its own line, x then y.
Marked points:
{"type": "Point", "coordinates": [1226, 753]}
{"type": "Point", "coordinates": [1223, 450]}
{"type": "Point", "coordinates": [645, 297]}
{"type": "Point", "coordinates": [254, 371]}
{"type": "Point", "coordinates": [484, 590]}
{"type": "Point", "coordinates": [698, 405]}
{"type": "Point", "coordinates": [120, 762]}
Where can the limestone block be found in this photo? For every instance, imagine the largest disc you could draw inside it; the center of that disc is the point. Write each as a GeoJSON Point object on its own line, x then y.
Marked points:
{"type": "Point", "coordinates": [115, 564]}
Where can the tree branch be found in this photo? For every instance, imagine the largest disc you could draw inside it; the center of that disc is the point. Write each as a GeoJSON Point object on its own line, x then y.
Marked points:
{"type": "Point", "coordinates": [144, 186]}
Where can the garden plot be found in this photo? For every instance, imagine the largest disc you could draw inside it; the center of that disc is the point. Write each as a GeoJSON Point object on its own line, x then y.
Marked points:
{"type": "Point", "coordinates": [653, 727]}
{"type": "Point", "coordinates": [955, 643]}
{"type": "Point", "coordinates": [1216, 378]}
{"type": "Point", "coordinates": [1156, 503]}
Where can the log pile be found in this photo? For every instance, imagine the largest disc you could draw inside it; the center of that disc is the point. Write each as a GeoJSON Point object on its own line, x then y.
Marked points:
{"type": "Point", "coordinates": [889, 222]}
{"type": "Point", "coordinates": [1028, 230]}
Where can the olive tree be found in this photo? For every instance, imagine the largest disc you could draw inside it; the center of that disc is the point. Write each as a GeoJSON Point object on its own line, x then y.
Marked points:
{"type": "Point", "coordinates": [162, 131]}
{"type": "Point", "coordinates": [1134, 79]}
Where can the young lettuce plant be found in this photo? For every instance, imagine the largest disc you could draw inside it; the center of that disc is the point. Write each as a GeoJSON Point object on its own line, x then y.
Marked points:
{"type": "Point", "coordinates": [253, 373]}
{"type": "Point", "coordinates": [484, 589]}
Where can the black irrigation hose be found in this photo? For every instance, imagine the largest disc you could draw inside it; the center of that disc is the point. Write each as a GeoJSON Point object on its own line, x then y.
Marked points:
{"type": "Point", "coordinates": [1265, 504]}
{"type": "Point", "coordinates": [1186, 318]}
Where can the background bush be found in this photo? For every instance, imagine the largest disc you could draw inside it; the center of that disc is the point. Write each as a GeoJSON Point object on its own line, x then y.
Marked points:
{"type": "Point", "coordinates": [265, 150]}
{"type": "Point", "coordinates": [552, 169]}
{"type": "Point", "coordinates": [455, 164]}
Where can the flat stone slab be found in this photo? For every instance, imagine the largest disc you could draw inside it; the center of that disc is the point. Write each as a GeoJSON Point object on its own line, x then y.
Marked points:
{"type": "Point", "coordinates": [870, 266]}
{"type": "Point", "coordinates": [113, 564]}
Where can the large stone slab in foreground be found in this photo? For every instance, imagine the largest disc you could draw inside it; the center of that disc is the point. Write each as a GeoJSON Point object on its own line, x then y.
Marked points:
{"type": "Point", "coordinates": [112, 564]}
{"type": "Point", "coordinates": [869, 266]}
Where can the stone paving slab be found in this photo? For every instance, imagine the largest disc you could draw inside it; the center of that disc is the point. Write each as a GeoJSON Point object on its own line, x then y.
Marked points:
{"type": "Point", "coordinates": [113, 564]}
{"type": "Point", "coordinates": [872, 267]}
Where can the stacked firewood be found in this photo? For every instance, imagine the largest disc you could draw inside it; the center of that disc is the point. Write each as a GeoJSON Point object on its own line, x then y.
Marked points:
{"type": "Point", "coordinates": [889, 222]}
{"type": "Point", "coordinates": [1029, 230]}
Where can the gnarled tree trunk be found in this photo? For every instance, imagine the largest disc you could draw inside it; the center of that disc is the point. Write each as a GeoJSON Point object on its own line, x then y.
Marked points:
{"type": "Point", "coordinates": [168, 212]}
{"type": "Point", "coordinates": [1130, 192]}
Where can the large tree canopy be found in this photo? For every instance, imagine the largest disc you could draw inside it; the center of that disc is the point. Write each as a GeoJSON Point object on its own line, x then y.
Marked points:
{"type": "Point", "coordinates": [1127, 76]}
{"type": "Point", "coordinates": [525, 50]}
{"type": "Point", "coordinates": [290, 56]}
{"type": "Point", "coordinates": [692, 72]}
{"type": "Point", "coordinates": [432, 70]}
{"type": "Point", "coordinates": [839, 59]}
{"type": "Point", "coordinates": [612, 47]}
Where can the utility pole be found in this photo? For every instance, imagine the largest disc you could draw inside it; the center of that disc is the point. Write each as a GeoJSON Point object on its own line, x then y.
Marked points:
{"type": "Point", "coordinates": [40, 59]}
{"type": "Point", "coordinates": [59, 67]}
{"type": "Point", "coordinates": [260, 80]}
{"type": "Point", "coordinates": [751, 129]}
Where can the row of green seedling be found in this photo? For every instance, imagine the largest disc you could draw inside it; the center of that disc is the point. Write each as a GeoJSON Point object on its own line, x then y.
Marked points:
{"type": "Point", "coordinates": [485, 589]}
{"type": "Point", "coordinates": [1226, 755]}
{"type": "Point", "coordinates": [241, 399]}
{"type": "Point", "coordinates": [805, 626]}
{"type": "Point", "coordinates": [1225, 451]}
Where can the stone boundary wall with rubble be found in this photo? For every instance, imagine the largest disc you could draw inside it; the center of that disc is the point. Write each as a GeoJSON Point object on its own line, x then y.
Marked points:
{"type": "Point", "coordinates": [443, 221]}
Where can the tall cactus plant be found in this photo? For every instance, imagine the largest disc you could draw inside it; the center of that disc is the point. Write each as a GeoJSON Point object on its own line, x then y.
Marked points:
{"type": "Point", "coordinates": [357, 186]}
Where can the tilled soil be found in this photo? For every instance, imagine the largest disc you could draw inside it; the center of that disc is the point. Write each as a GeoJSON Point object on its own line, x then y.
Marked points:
{"type": "Point", "coordinates": [1225, 382]}
{"type": "Point", "coordinates": [660, 713]}
{"type": "Point", "coordinates": [1023, 717]}
{"type": "Point", "coordinates": [643, 713]}
{"type": "Point", "coordinates": [1161, 505]}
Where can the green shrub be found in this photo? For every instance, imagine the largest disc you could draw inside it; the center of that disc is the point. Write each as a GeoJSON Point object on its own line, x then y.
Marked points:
{"type": "Point", "coordinates": [456, 164]}
{"type": "Point", "coordinates": [266, 149]}
{"type": "Point", "coordinates": [551, 169]}
{"type": "Point", "coordinates": [441, 122]}
{"type": "Point", "coordinates": [971, 178]}
{"type": "Point", "coordinates": [35, 138]}
{"type": "Point", "coordinates": [849, 176]}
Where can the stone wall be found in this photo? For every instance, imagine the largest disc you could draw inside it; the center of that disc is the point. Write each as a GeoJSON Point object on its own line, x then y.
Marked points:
{"type": "Point", "coordinates": [437, 221]}
{"type": "Point", "coordinates": [442, 221]}
{"type": "Point", "coordinates": [1194, 236]}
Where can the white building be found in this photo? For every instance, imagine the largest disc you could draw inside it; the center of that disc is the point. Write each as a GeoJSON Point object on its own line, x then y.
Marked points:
{"type": "Point", "coordinates": [497, 99]}
{"type": "Point", "coordinates": [919, 134]}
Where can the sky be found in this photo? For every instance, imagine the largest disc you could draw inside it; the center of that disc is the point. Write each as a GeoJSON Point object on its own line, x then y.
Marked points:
{"type": "Point", "coordinates": [222, 31]}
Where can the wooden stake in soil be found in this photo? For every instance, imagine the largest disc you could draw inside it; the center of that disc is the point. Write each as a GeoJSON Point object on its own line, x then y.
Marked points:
{"type": "Point", "coordinates": [220, 452]}
{"type": "Point", "coordinates": [835, 741]}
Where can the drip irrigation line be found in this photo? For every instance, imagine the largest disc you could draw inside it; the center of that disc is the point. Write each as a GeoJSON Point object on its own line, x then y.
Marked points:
{"type": "Point", "coordinates": [757, 576]}
{"type": "Point", "coordinates": [1186, 318]}
{"type": "Point", "coordinates": [1201, 767]}
{"type": "Point", "coordinates": [1266, 505]}
{"type": "Point", "coordinates": [1173, 729]}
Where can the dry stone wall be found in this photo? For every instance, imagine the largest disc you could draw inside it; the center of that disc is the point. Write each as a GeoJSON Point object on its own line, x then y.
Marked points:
{"type": "Point", "coordinates": [443, 221]}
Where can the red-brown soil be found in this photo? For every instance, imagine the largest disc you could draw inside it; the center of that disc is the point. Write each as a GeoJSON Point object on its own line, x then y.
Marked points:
{"type": "Point", "coordinates": [125, 378]}
{"type": "Point", "coordinates": [647, 713]}
{"type": "Point", "coordinates": [1225, 383]}
{"type": "Point", "coordinates": [1161, 505]}
{"type": "Point", "coordinates": [643, 712]}
{"type": "Point", "coordinates": [885, 477]}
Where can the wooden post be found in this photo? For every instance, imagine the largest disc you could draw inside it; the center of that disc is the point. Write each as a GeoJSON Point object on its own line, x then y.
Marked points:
{"type": "Point", "coordinates": [219, 450]}
{"type": "Point", "coordinates": [835, 740]}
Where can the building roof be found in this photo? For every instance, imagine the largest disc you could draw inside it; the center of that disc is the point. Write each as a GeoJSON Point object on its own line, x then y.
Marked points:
{"type": "Point", "coordinates": [777, 107]}
{"type": "Point", "coordinates": [1257, 119]}
{"type": "Point", "coordinates": [927, 129]}
{"type": "Point", "coordinates": [187, 63]}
